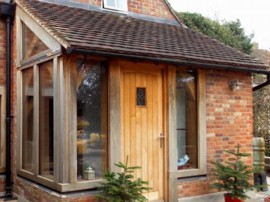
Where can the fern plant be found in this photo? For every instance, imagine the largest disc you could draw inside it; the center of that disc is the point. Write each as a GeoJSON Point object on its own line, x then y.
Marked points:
{"type": "Point", "coordinates": [122, 187]}
{"type": "Point", "coordinates": [234, 176]}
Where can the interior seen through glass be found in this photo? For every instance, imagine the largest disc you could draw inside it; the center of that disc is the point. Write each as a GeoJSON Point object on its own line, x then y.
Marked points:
{"type": "Point", "coordinates": [186, 106]}
{"type": "Point", "coordinates": [46, 120]}
{"type": "Point", "coordinates": [28, 125]}
{"type": "Point", "coordinates": [92, 146]}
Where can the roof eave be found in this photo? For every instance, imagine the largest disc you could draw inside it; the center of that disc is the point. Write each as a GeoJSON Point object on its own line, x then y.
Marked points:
{"type": "Point", "coordinates": [178, 62]}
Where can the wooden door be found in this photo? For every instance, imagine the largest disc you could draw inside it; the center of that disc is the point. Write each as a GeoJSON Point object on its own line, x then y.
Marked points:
{"type": "Point", "coordinates": [142, 126]}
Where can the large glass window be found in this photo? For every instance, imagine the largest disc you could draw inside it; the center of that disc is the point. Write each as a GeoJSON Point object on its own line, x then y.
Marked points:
{"type": "Point", "coordinates": [92, 131]}
{"type": "Point", "coordinates": [28, 120]}
{"type": "Point", "coordinates": [61, 107]}
{"type": "Point", "coordinates": [46, 120]}
{"type": "Point", "coordinates": [187, 133]}
{"type": "Point", "coordinates": [43, 109]}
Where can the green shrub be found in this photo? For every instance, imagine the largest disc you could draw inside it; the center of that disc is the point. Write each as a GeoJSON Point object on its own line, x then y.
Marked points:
{"type": "Point", "coordinates": [234, 176]}
{"type": "Point", "coordinates": [122, 187]}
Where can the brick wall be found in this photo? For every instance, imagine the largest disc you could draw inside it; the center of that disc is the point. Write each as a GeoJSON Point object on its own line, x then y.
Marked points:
{"type": "Point", "coordinates": [147, 7]}
{"type": "Point", "coordinates": [2, 52]}
{"type": "Point", "coordinates": [36, 193]}
{"type": "Point", "coordinates": [229, 122]}
{"type": "Point", "coordinates": [150, 7]}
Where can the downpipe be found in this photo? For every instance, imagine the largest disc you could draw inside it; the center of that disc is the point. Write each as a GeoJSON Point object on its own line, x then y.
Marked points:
{"type": "Point", "coordinates": [7, 10]}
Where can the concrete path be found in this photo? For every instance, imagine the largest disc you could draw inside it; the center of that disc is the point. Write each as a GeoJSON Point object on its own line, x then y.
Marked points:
{"type": "Point", "coordinates": [259, 196]}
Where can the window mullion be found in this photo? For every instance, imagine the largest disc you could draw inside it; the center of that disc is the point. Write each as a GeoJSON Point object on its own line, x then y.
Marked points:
{"type": "Point", "coordinates": [72, 118]}
{"type": "Point", "coordinates": [19, 116]}
{"type": "Point", "coordinates": [36, 120]}
{"type": "Point", "coordinates": [201, 119]}
{"type": "Point", "coordinates": [56, 136]}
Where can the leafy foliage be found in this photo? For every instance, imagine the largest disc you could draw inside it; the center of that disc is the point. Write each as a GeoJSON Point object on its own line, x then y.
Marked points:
{"type": "Point", "coordinates": [121, 187]}
{"type": "Point", "coordinates": [230, 33]}
{"type": "Point", "coordinates": [261, 101]}
{"type": "Point", "coordinates": [233, 176]}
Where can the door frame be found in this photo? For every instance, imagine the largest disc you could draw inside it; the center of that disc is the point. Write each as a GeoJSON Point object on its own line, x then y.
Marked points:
{"type": "Point", "coordinates": [115, 114]}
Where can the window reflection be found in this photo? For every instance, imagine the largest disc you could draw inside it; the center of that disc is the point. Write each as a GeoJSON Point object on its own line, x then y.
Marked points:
{"type": "Point", "coordinates": [91, 120]}
{"type": "Point", "coordinates": [186, 105]}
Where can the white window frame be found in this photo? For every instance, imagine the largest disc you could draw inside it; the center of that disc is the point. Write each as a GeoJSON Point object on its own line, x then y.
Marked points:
{"type": "Point", "coordinates": [120, 5]}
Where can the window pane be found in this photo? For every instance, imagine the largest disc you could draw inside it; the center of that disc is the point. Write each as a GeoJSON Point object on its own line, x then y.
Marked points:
{"type": "Point", "coordinates": [32, 45]}
{"type": "Point", "coordinates": [92, 131]}
{"type": "Point", "coordinates": [141, 97]}
{"type": "Point", "coordinates": [187, 138]}
{"type": "Point", "coordinates": [111, 3]}
{"type": "Point", "coordinates": [46, 120]}
{"type": "Point", "coordinates": [28, 114]}
{"type": "Point", "coordinates": [122, 5]}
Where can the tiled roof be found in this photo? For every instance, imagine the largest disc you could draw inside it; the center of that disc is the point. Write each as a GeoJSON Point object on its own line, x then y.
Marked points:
{"type": "Point", "coordinates": [117, 33]}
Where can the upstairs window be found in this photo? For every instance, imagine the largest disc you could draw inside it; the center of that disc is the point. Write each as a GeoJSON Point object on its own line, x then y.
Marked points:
{"type": "Point", "coordinates": [116, 4]}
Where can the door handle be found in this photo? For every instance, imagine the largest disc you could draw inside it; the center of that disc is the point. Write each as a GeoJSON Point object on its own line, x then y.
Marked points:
{"type": "Point", "coordinates": [161, 139]}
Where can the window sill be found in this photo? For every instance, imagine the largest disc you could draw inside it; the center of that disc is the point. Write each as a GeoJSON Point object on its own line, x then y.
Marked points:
{"type": "Point", "coordinates": [60, 187]}
{"type": "Point", "coordinates": [190, 173]}
{"type": "Point", "coordinates": [76, 194]}
{"type": "Point", "coordinates": [115, 10]}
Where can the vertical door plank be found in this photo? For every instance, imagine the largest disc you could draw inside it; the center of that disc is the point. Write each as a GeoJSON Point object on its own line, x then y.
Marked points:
{"type": "Point", "coordinates": [126, 133]}
{"type": "Point", "coordinates": [151, 162]}
{"type": "Point", "coordinates": [145, 123]}
{"type": "Point", "coordinates": [132, 120]}
{"type": "Point", "coordinates": [155, 140]}
{"type": "Point", "coordinates": [138, 130]}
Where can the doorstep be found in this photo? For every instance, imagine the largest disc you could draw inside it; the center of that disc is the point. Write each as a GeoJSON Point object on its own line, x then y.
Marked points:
{"type": "Point", "coordinates": [259, 196]}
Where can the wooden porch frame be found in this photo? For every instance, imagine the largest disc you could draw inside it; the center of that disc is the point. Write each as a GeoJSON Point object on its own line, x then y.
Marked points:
{"type": "Point", "coordinates": [40, 32]}
{"type": "Point", "coordinates": [174, 173]}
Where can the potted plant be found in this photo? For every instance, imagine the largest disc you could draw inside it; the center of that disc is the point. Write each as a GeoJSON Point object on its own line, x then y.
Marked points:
{"type": "Point", "coordinates": [234, 176]}
{"type": "Point", "coordinates": [123, 187]}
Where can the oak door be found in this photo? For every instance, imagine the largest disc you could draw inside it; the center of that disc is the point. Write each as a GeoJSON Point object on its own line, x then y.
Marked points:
{"type": "Point", "coordinates": [142, 126]}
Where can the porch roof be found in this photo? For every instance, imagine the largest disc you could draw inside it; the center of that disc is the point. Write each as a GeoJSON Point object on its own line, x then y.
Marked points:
{"type": "Point", "coordinates": [89, 31]}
